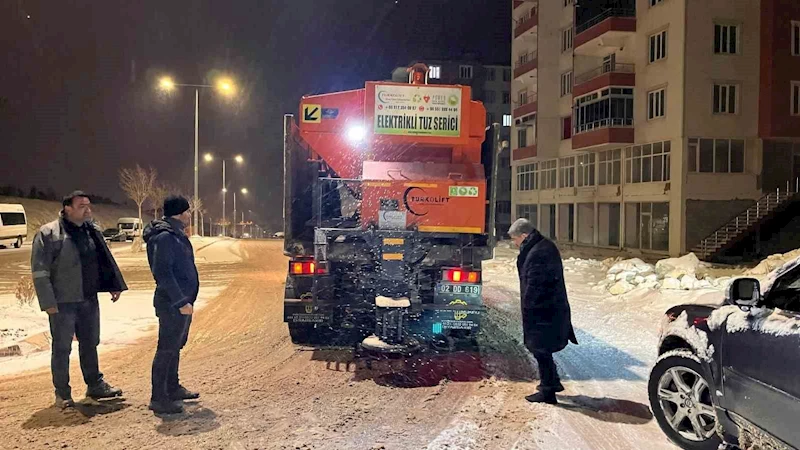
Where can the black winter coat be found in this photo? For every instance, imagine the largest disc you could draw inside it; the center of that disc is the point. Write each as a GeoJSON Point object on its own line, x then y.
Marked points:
{"type": "Point", "coordinates": [546, 321]}
{"type": "Point", "coordinates": [171, 259]}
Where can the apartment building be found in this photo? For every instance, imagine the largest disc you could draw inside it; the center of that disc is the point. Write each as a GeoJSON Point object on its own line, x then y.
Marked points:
{"type": "Point", "coordinates": [646, 125]}
{"type": "Point", "coordinates": [491, 84]}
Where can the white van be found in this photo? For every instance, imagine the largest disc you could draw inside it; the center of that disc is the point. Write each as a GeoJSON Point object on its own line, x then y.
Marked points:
{"type": "Point", "coordinates": [131, 226]}
{"type": "Point", "coordinates": [13, 224]}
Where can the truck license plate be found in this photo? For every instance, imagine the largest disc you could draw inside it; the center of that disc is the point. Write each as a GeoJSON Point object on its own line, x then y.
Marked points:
{"type": "Point", "coordinates": [460, 289]}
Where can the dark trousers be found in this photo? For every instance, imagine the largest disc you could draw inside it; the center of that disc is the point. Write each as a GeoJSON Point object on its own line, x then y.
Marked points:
{"type": "Point", "coordinates": [547, 370]}
{"type": "Point", "coordinates": [75, 319]}
{"type": "Point", "coordinates": [173, 332]}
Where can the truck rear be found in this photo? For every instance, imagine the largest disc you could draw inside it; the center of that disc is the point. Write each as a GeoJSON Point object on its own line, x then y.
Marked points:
{"type": "Point", "coordinates": [385, 216]}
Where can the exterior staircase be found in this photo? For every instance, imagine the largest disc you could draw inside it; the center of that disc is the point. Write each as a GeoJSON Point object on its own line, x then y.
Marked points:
{"type": "Point", "coordinates": [745, 222]}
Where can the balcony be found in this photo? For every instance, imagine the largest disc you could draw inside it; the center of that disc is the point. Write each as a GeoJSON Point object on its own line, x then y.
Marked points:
{"type": "Point", "coordinates": [526, 23]}
{"type": "Point", "coordinates": [609, 74]}
{"type": "Point", "coordinates": [527, 105]}
{"type": "Point", "coordinates": [526, 63]}
{"type": "Point", "coordinates": [604, 134]}
{"type": "Point", "coordinates": [611, 28]}
{"type": "Point", "coordinates": [524, 152]}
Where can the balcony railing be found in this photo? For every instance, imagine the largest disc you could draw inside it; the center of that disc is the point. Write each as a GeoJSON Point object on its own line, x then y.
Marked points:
{"type": "Point", "coordinates": [526, 17]}
{"type": "Point", "coordinates": [603, 123]}
{"type": "Point", "coordinates": [612, 12]}
{"type": "Point", "coordinates": [525, 59]}
{"type": "Point", "coordinates": [531, 98]}
{"type": "Point", "coordinates": [604, 69]}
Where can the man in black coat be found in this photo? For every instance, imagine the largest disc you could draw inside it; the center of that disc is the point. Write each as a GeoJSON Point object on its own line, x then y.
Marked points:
{"type": "Point", "coordinates": [546, 322]}
{"type": "Point", "coordinates": [171, 259]}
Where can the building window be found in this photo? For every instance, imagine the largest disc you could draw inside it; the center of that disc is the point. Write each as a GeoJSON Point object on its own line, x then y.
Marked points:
{"type": "Point", "coordinates": [716, 155]}
{"type": "Point", "coordinates": [796, 98]}
{"type": "Point", "coordinates": [658, 46]}
{"type": "Point", "coordinates": [585, 169]}
{"type": "Point", "coordinates": [647, 163]}
{"type": "Point", "coordinates": [527, 212]}
{"type": "Point", "coordinates": [506, 97]}
{"type": "Point", "coordinates": [647, 226]}
{"type": "Point", "coordinates": [522, 137]}
{"type": "Point", "coordinates": [490, 74]}
{"type": "Point", "coordinates": [465, 72]}
{"type": "Point", "coordinates": [726, 39]}
{"type": "Point", "coordinates": [523, 97]}
{"type": "Point", "coordinates": [610, 166]}
{"type": "Point", "coordinates": [566, 127]}
{"type": "Point", "coordinates": [491, 97]}
{"type": "Point", "coordinates": [725, 98]}
{"type": "Point", "coordinates": [566, 170]}
{"type": "Point", "coordinates": [435, 72]}
{"type": "Point", "coordinates": [566, 83]}
{"type": "Point", "coordinates": [547, 174]}
{"type": "Point", "coordinates": [490, 118]}
{"type": "Point", "coordinates": [566, 39]}
{"type": "Point", "coordinates": [655, 104]}
{"type": "Point", "coordinates": [506, 120]}
{"type": "Point", "coordinates": [506, 75]}
{"type": "Point", "coordinates": [795, 38]}
{"type": "Point", "coordinates": [503, 207]}
{"type": "Point", "coordinates": [527, 177]}
{"type": "Point", "coordinates": [611, 107]}
{"type": "Point", "coordinates": [608, 221]}
{"type": "Point", "coordinates": [655, 2]}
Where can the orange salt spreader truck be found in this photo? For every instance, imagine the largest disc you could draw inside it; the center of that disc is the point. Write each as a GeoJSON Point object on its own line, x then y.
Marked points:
{"type": "Point", "coordinates": [385, 202]}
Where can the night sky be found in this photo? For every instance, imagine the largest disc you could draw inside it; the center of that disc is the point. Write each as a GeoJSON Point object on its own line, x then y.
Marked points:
{"type": "Point", "coordinates": [77, 87]}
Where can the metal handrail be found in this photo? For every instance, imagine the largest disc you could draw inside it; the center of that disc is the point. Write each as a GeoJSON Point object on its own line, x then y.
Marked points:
{"type": "Point", "coordinates": [531, 98]}
{"type": "Point", "coordinates": [603, 123]}
{"type": "Point", "coordinates": [742, 221]}
{"type": "Point", "coordinates": [533, 12]}
{"type": "Point", "coordinates": [525, 58]}
{"type": "Point", "coordinates": [604, 69]}
{"type": "Point", "coordinates": [611, 12]}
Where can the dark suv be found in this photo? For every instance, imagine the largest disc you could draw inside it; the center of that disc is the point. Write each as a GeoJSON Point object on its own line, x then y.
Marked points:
{"type": "Point", "coordinates": [728, 375]}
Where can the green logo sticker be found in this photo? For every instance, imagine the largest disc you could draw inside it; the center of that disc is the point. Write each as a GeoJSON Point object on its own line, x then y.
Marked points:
{"type": "Point", "coordinates": [463, 191]}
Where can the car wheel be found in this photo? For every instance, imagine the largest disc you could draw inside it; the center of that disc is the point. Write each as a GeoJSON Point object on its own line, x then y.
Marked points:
{"type": "Point", "coordinates": [18, 244]}
{"type": "Point", "coordinates": [680, 398]}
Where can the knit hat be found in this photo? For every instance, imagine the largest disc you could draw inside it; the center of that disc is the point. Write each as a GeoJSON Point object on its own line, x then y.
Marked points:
{"type": "Point", "coordinates": [175, 205]}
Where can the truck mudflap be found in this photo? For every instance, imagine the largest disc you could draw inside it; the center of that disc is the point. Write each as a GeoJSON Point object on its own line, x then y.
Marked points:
{"type": "Point", "coordinates": [304, 311]}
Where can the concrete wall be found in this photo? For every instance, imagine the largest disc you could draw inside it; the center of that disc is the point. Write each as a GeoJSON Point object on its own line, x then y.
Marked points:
{"type": "Point", "coordinates": [704, 217]}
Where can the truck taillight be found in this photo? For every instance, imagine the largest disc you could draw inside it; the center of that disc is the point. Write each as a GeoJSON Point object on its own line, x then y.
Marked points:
{"type": "Point", "coordinates": [461, 276]}
{"type": "Point", "coordinates": [307, 268]}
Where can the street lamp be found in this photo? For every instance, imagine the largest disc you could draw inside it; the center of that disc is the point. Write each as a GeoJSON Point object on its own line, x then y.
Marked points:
{"type": "Point", "coordinates": [243, 191]}
{"type": "Point", "coordinates": [224, 86]}
{"type": "Point", "coordinates": [208, 157]}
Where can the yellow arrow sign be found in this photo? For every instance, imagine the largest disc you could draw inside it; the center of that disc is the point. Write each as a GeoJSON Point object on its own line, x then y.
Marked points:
{"type": "Point", "coordinates": [312, 113]}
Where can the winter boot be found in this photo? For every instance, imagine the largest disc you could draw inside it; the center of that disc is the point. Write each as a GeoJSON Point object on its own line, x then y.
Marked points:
{"type": "Point", "coordinates": [103, 390]}
{"type": "Point", "coordinates": [548, 397]}
{"type": "Point", "coordinates": [166, 407]}
{"type": "Point", "coordinates": [183, 394]}
{"type": "Point", "coordinates": [64, 402]}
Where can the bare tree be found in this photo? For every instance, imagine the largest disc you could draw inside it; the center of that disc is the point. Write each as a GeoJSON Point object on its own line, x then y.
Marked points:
{"type": "Point", "coordinates": [138, 185]}
{"type": "Point", "coordinates": [157, 196]}
{"type": "Point", "coordinates": [195, 204]}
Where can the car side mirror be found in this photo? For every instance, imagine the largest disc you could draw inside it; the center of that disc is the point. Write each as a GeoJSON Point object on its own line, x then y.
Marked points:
{"type": "Point", "coordinates": [744, 293]}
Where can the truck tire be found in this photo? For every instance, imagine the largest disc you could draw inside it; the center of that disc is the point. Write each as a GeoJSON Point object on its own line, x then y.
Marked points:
{"type": "Point", "coordinates": [301, 333]}
{"type": "Point", "coordinates": [18, 243]}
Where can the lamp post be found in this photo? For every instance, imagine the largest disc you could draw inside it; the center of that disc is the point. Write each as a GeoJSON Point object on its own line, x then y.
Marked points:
{"type": "Point", "coordinates": [223, 85]}
{"type": "Point", "coordinates": [239, 160]}
{"type": "Point", "coordinates": [243, 191]}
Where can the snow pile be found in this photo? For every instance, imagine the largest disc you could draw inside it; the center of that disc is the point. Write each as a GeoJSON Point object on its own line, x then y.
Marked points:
{"type": "Point", "coordinates": [684, 273]}
{"type": "Point", "coordinates": [773, 262]}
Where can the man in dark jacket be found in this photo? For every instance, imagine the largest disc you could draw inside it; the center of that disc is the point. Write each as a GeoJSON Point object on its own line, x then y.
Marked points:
{"type": "Point", "coordinates": [71, 264]}
{"type": "Point", "coordinates": [171, 259]}
{"type": "Point", "coordinates": [546, 322]}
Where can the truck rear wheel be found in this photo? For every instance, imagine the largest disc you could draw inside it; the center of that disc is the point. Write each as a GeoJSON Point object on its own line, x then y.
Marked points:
{"type": "Point", "coordinates": [18, 244]}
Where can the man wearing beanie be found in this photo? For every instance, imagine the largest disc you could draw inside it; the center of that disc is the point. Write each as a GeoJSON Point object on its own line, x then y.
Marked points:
{"type": "Point", "coordinates": [171, 259]}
